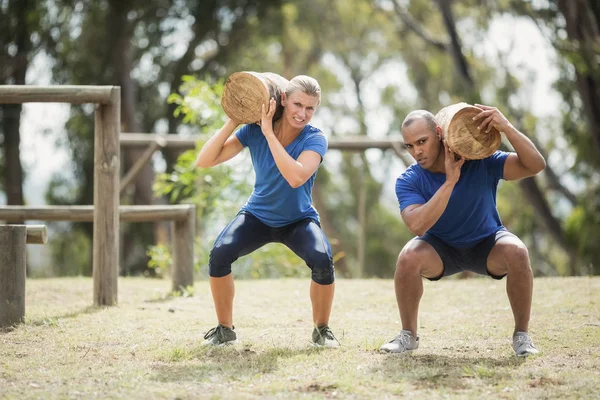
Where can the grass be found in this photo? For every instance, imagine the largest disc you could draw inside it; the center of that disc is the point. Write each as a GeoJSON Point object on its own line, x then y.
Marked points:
{"type": "Point", "coordinates": [149, 346]}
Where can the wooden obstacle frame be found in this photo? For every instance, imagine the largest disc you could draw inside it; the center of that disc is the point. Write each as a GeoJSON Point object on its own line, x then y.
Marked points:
{"type": "Point", "coordinates": [13, 255]}
{"type": "Point", "coordinates": [106, 211]}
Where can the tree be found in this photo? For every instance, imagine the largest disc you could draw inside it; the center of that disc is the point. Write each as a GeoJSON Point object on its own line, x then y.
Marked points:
{"type": "Point", "coordinates": [21, 38]}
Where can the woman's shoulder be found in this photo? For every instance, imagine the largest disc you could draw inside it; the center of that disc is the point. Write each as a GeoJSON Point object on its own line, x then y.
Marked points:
{"type": "Point", "coordinates": [314, 132]}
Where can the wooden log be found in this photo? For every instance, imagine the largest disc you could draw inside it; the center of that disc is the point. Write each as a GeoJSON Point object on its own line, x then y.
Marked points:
{"type": "Point", "coordinates": [106, 200]}
{"type": "Point", "coordinates": [183, 252]}
{"type": "Point", "coordinates": [246, 92]}
{"type": "Point", "coordinates": [347, 143]}
{"type": "Point", "coordinates": [13, 239]}
{"type": "Point", "coordinates": [462, 134]}
{"type": "Point", "coordinates": [18, 94]}
{"type": "Point", "coordinates": [37, 234]}
{"type": "Point", "coordinates": [174, 212]}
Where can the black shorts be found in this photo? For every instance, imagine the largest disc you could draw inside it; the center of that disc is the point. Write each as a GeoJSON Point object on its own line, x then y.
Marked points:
{"type": "Point", "coordinates": [472, 259]}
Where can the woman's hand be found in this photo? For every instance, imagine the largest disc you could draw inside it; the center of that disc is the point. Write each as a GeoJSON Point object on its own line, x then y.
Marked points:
{"type": "Point", "coordinates": [266, 122]}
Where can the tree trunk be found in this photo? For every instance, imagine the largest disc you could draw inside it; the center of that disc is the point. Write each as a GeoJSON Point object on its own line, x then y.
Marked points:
{"type": "Point", "coordinates": [460, 62]}
{"type": "Point", "coordinates": [121, 32]}
{"type": "Point", "coordinates": [583, 29]}
{"type": "Point", "coordinates": [11, 115]}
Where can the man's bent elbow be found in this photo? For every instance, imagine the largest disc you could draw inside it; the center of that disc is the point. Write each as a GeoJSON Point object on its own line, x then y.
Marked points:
{"type": "Point", "coordinates": [416, 230]}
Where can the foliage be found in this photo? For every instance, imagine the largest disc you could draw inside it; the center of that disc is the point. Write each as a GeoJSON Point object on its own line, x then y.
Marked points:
{"type": "Point", "coordinates": [160, 259]}
{"type": "Point", "coordinates": [70, 250]}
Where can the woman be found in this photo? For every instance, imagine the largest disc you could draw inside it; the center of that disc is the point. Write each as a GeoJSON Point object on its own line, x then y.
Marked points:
{"type": "Point", "coordinates": [285, 155]}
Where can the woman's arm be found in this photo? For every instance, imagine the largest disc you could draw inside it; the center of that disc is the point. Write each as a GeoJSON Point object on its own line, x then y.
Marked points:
{"type": "Point", "coordinates": [295, 172]}
{"type": "Point", "coordinates": [221, 147]}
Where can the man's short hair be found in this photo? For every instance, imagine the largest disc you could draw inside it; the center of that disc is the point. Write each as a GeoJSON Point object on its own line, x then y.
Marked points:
{"type": "Point", "coordinates": [420, 114]}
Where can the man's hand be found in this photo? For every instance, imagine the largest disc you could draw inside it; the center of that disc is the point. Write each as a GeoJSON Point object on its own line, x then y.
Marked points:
{"type": "Point", "coordinates": [266, 122]}
{"type": "Point", "coordinates": [491, 117]}
{"type": "Point", "coordinates": [452, 164]}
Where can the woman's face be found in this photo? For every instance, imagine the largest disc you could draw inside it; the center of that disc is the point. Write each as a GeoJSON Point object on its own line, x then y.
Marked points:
{"type": "Point", "coordinates": [299, 108]}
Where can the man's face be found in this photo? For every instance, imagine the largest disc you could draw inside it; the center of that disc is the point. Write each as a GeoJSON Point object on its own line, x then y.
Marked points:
{"type": "Point", "coordinates": [422, 143]}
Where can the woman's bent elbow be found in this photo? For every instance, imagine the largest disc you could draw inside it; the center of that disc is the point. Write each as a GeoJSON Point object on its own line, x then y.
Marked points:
{"type": "Point", "coordinates": [203, 164]}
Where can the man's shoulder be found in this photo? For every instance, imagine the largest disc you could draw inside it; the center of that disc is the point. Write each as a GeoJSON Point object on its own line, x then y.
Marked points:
{"type": "Point", "coordinates": [414, 171]}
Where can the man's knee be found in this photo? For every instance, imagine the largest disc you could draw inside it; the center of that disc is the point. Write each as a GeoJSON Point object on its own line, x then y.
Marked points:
{"type": "Point", "coordinates": [408, 260]}
{"type": "Point", "coordinates": [322, 268]}
{"type": "Point", "coordinates": [219, 261]}
{"type": "Point", "coordinates": [517, 257]}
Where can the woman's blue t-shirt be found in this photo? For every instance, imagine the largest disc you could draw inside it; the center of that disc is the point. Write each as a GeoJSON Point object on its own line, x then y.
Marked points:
{"type": "Point", "coordinates": [471, 214]}
{"type": "Point", "coordinates": [273, 200]}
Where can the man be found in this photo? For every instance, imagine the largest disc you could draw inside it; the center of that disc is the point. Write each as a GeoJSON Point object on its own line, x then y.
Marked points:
{"type": "Point", "coordinates": [450, 204]}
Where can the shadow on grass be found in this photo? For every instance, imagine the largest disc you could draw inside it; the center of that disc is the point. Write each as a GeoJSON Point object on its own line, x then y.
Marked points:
{"type": "Point", "coordinates": [73, 314]}
{"type": "Point", "coordinates": [426, 371]}
{"type": "Point", "coordinates": [52, 320]}
{"type": "Point", "coordinates": [226, 363]}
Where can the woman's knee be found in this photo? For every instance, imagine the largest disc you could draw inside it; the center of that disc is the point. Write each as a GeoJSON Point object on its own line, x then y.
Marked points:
{"type": "Point", "coordinates": [323, 271]}
{"type": "Point", "coordinates": [219, 261]}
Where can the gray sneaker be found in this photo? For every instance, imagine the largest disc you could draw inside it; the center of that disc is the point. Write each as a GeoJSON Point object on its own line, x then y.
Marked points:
{"type": "Point", "coordinates": [323, 337]}
{"type": "Point", "coordinates": [405, 342]}
{"type": "Point", "coordinates": [220, 336]}
{"type": "Point", "coordinates": [523, 345]}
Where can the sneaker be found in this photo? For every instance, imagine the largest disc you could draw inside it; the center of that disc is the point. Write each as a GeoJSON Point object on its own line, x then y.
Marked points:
{"type": "Point", "coordinates": [523, 345]}
{"type": "Point", "coordinates": [220, 336]}
{"type": "Point", "coordinates": [405, 342]}
{"type": "Point", "coordinates": [323, 337]}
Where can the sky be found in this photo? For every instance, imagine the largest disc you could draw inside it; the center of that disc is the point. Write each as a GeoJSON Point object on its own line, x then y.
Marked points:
{"type": "Point", "coordinates": [530, 58]}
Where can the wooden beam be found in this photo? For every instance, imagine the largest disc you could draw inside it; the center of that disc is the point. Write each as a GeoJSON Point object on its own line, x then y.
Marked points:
{"type": "Point", "coordinates": [349, 143]}
{"type": "Point", "coordinates": [141, 163]}
{"type": "Point", "coordinates": [18, 94]}
{"type": "Point", "coordinates": [175, 212]}
{"type": "Point", "coordinates": [37, 234]}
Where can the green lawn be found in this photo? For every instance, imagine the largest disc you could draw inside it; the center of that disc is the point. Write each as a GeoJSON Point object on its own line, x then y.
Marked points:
{"type": "Point", "coordinates": [149, 346]}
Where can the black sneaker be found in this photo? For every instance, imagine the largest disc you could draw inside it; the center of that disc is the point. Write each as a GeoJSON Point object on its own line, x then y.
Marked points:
{"type": "Point", "coordinates": [323, 337]}
{"type": "Point", "coordinates": [220, 336]}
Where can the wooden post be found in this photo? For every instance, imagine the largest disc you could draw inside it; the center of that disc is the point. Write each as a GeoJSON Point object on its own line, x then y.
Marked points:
{"type": "Point", "coordinates": [12, 274]}
{"type": "Point", "coordinates": [106, 200]}
{"type": "Point", "coordinates": [183, 251]}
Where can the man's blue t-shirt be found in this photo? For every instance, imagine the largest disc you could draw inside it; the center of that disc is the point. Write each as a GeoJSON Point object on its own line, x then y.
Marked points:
{"type": "Point", "coordinates": [471, 213]}
{"type": "Point", "coordinates": [273, 200]}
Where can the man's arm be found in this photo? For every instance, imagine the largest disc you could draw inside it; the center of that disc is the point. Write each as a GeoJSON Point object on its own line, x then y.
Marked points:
{"type": "Point", "coordinates": [527, 160]}
{"type": "Point", "coordinates": [419, 218]}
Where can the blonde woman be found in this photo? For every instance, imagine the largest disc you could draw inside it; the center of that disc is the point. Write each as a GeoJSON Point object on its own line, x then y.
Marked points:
{"type": "Point", "coordinates": [286, 156]}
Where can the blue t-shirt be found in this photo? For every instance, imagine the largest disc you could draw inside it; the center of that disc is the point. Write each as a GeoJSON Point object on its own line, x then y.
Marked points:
{"type": "Point", "coordinates": [471, 213]}
{"type": "Point", "coordinates": [273, 200]}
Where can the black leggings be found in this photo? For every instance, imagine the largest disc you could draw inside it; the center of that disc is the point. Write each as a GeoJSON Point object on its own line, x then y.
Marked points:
{"type": "Point", "coordinates": [246, 233]}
